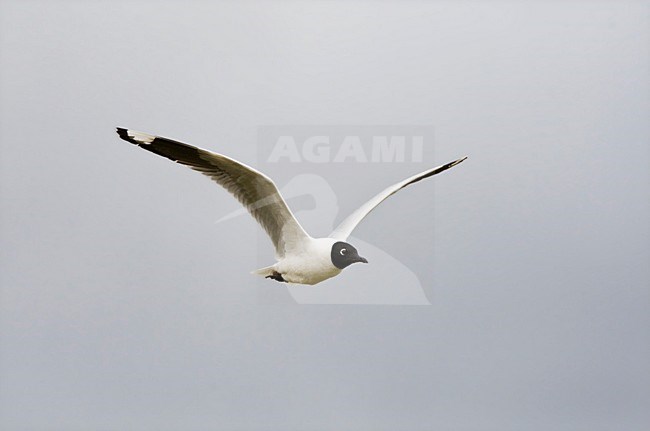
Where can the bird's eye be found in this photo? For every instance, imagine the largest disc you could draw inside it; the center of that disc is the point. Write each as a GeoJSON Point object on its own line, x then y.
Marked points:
{"type": "Point", "coordinates": [343, 251]}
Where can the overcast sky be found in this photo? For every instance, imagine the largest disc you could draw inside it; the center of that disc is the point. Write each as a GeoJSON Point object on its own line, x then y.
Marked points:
{"type": "Point", "coordinates": [125, 306]}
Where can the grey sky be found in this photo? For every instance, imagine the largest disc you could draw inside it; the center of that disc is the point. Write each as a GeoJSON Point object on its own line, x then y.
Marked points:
{"type": "Point", "coordinates": [124, 306]}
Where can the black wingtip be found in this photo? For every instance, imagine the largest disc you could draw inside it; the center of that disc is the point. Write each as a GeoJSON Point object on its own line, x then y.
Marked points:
{"type": "Point", "coordinates": [123, 133]}
{"type": "Point", "coordinates": [455, 162]}
{"type": "Point", "coordinates": [451, 164]}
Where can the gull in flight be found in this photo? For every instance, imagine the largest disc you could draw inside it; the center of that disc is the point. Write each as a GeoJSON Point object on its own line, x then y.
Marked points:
{"type": "Point", "coordinates": [300, 258]}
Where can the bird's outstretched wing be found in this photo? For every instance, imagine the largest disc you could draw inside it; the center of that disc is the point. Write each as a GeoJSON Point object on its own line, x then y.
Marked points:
{"type": "Point", "coordinates": [254, 190]}
{"type": "Point", "coordinates": [343, 230]}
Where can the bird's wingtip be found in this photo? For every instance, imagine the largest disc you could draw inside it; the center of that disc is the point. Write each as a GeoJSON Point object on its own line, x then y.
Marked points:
{"type": "Point", "coordinates": [134, 137]}
{"type": "Point", "coordinates": [455, 162]}
{"type": "Point", "coordinates": [124, 134]}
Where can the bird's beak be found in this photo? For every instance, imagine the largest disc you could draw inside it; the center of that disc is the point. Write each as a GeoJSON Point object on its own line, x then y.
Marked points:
{"type": "Point", "coordinates": [362, 259]}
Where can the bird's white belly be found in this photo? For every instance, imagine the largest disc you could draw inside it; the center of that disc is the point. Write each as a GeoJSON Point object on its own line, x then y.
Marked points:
{"type": "Point", "coordinates": [306, 271]}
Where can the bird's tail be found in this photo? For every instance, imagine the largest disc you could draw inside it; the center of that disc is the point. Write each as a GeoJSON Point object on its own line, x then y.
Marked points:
{"type": "Point", "coordinates": [265, 272]}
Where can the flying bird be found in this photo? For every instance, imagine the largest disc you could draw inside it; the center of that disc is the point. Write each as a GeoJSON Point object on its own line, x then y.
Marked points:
{"type": "Point", "coordinates": [301, 259]}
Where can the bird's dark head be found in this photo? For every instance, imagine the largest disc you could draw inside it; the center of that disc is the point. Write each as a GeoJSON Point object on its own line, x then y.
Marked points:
{"type": "Point", "coordinates": [344, 255]}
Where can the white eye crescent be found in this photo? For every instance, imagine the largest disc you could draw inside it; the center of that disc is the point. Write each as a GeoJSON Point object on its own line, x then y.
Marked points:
{"type": "Point", "coordinates": [343, 251]}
